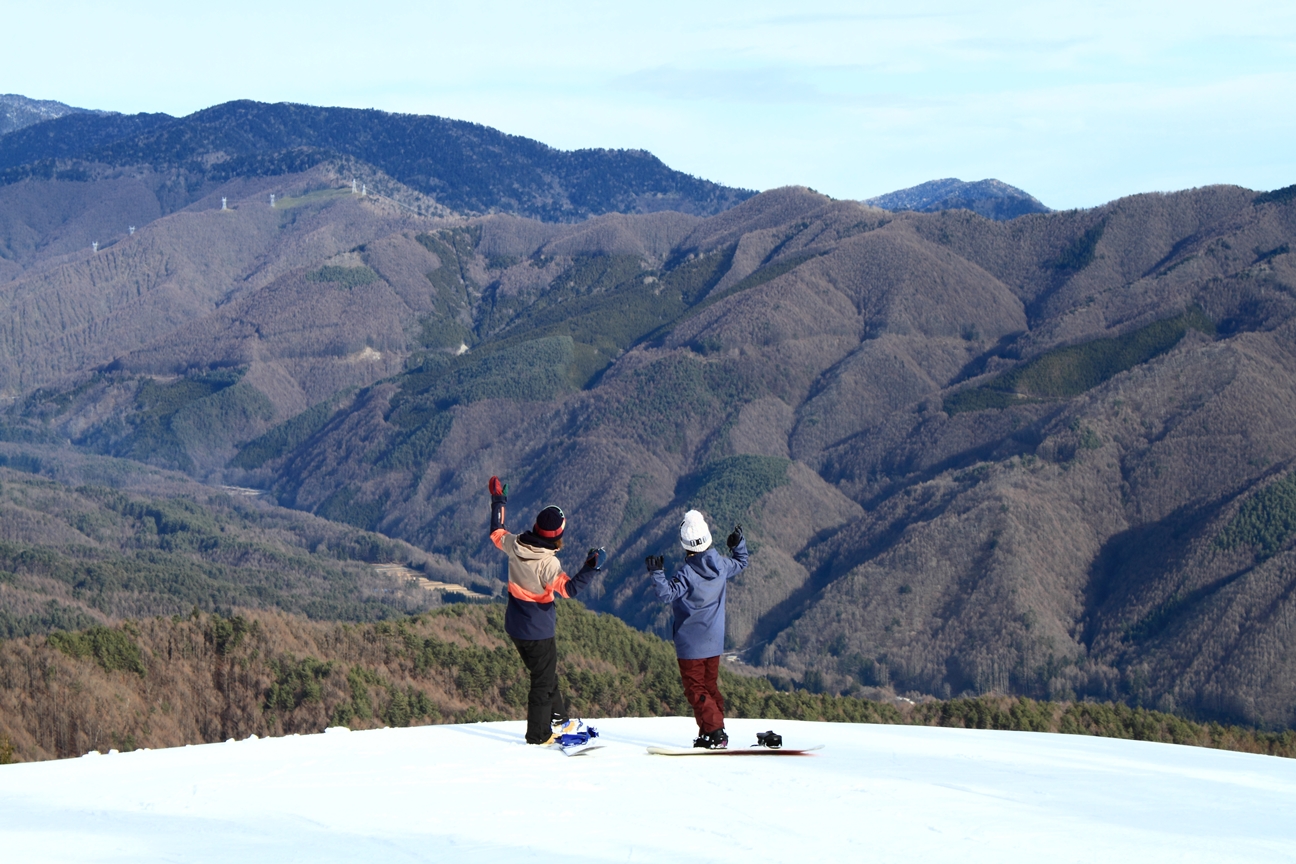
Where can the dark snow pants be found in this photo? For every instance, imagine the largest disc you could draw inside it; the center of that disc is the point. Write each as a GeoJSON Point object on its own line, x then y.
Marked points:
{"type": "Point", "coordinates": [545, 703]}
{"type": "Point", "coordinates": [703, 693]}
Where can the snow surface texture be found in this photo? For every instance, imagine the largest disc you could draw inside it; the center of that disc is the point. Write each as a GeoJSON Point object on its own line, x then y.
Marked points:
{"type": "Point", "coordinates": [475, 793]}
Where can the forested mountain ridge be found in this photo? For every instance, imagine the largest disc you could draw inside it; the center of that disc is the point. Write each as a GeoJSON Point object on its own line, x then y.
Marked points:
{"type": "Point", "coordinates": [53, 145]}
{"type": "Point", "coordinates": [466, 167]}
{"type": "Point", "coordinates": [1047, 455]}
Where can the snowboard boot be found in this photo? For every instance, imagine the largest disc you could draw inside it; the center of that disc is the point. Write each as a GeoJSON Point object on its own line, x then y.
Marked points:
{"type": "Point", "coordinates": [716, 740]}
{"type": "Point", "coordinates": [565, 727]}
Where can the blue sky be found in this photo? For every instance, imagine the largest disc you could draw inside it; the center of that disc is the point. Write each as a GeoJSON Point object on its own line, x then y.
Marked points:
{"type": "Point", "coordinates": [1077, 103]}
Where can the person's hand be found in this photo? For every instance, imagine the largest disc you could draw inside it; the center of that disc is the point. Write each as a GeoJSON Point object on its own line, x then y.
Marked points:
{"type": "Point", "coordinates": [735, 538]}
{"type": "Point", "coordinates": [654, 563]}
{"type": "Point", "coordinates": [594, 560]}
{"type": "Point", "coordinates": [498, 491]}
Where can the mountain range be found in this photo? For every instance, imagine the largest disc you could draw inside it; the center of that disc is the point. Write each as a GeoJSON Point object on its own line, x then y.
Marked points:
{"type": "Point", "coordinates": [1048, 455]}
{"type": "Point", "coordinates": [466, 167]}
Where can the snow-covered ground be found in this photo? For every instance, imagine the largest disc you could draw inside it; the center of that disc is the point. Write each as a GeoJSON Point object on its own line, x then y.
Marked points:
{"type": "Point", "coordinates": [475, 793]}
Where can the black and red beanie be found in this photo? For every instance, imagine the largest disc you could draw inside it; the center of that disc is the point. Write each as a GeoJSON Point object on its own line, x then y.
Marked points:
{"type": "Point", "coordinates": [550, 523]}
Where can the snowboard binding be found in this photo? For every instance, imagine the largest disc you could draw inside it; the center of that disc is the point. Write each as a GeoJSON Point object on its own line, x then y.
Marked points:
{"type": "Point", "coordinates": [576, 738]}
{"type": "Point", "coordinates": [772, 740]}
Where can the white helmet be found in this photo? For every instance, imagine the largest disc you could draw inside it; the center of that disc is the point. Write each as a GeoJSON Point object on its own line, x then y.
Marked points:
{"type": "Point", "coordinates": [695, 536]}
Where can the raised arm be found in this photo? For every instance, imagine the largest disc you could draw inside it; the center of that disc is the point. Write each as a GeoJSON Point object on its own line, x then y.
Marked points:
{"type": "Point", "coordinates": [499, 497]}
{"type": "Point", "coordinates": [593, 564]}
{"type": "Point", "coordinates": [668, 590]}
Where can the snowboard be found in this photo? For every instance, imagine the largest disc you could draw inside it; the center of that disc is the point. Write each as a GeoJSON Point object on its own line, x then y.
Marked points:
{"type": "Point", "coordinates": [578, 749]}
{"type": "Point", "coordinates": [733, 751]}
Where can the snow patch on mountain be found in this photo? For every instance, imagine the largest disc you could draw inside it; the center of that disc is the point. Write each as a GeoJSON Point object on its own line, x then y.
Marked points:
{"type": "Point", "coordinates": [18, 112]}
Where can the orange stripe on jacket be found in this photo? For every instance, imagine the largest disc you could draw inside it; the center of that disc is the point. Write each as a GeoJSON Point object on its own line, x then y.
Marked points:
{"type": "Point", "coordinates": [531, 568]}
{"type": "Point", "coordinates": [559, 587]}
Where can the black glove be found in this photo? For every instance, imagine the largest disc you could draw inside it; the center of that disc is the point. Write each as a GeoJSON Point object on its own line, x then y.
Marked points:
{"type": "Point", "coordinates": [594, 560]}
{"type": "Point", "coordinates": [735, 538]}
{"type": "Point", "coordinates": [655, 563]}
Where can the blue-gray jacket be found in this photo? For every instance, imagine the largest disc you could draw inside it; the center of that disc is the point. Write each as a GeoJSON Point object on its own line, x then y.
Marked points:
{"type": "Point", "coordinates": [697, 596]}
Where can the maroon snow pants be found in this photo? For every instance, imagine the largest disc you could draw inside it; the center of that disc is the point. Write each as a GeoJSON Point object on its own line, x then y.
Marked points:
{"type": "Point", "coordinates": [702, 692]}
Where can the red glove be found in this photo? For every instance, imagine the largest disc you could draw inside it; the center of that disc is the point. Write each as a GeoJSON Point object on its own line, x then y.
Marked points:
{"type": "Point", "coordinates": [499, 497]}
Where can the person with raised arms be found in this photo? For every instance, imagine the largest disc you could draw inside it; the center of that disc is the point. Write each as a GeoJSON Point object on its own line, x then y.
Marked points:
{"type": "Point", "coordinates": [697, 596]}
{"type": "Point", "coordinates": [535, 578]}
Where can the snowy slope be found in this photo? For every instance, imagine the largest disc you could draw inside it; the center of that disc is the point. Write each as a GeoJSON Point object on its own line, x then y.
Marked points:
{"type": "Point", "coordinates": [475, 793]}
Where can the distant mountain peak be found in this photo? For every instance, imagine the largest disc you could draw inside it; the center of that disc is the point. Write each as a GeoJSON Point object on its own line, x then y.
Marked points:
{"type": "Point", "coordinates": [993, 199]}
{"type": "Point", "coordinates": [19, 112]}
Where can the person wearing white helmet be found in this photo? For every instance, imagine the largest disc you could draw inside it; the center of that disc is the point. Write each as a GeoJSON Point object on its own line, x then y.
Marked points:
{"type": "Point", "coordinates": [697, 596]}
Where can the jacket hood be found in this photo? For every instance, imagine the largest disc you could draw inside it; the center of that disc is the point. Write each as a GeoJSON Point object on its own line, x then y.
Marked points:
{"type": "Point", "coordinates": [705, 564]}
{"type": "Point", "coordinates": [532, 553]}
